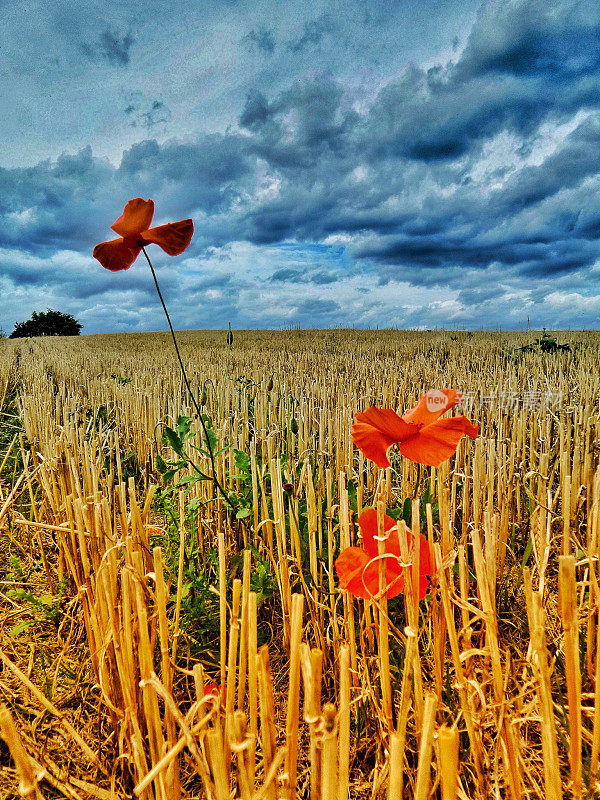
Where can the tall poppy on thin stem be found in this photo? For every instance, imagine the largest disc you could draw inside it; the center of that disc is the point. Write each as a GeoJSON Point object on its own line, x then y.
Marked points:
{"type": "Point", "coordinates": [358, 567]}
{"type": "Point", "coordinates": [419, 433]}
{"type": "Point", "coordinates": [119, 254]}
{"type": "Point", "coordinates": [133, 226]}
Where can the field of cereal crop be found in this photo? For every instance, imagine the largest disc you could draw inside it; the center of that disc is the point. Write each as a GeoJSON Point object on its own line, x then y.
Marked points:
{"type": "Point", "coordinates": [171, 619]}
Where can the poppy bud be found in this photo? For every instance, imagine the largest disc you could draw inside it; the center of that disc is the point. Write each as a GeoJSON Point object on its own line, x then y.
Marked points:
{"type": "Point", "coordinates": [270, 384]}
{"type": "Point", "coordinates": [203, 397]}
{"type": "Point", "coordinates": [294, 427]}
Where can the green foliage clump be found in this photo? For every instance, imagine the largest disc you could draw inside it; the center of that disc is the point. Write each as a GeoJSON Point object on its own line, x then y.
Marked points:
{"type": "Point", "coordinates": [47, 323]}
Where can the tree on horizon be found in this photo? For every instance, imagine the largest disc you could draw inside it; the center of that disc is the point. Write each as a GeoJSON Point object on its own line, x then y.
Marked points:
{"type": "Point", "coordinates": [47, 323]}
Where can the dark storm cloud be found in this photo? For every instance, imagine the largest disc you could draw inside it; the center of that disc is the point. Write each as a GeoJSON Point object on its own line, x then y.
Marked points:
{"type": "Point", "coordinates": [262, 38]}
{"type": "Point", "coordinates": [408, 258]}
{"type": "Point", "coordinates": [524, 62]}
{"type": "Point", "coordinates": [207, 174]}
{"type": "Point", "coordinates": [322, 277]}
{"type": "Point", "coordinates": [285, 275]}
{"type": "Point", "coordinates": [488, 165]}
{"type": "Point", "coordinates": [291, 275]}
{"type": "Point", "coordinates": [146, 113]}
{"type": "Point", "coordinates": [317, 307]}
{"type": "Point", "coordinates": [256, 113]}
{"type": "Point", "coordinates": [70, 203]}
{"type": "Point", "coordinates": [111, 46]}
{"type": "Point", "coordinates": [557, 39]}
{"type": "Point", "coordinates": [577, 159]}
{"type": "Point", "coordinates": [312, 33]}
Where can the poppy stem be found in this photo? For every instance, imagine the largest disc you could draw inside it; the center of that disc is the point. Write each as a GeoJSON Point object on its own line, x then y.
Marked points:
{"type": "Point", "coordinates": [211, 454]}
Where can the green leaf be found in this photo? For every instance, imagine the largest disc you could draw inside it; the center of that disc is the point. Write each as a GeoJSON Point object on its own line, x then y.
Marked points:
{"type": "Point", "coordinates": [183, 427]}
{"type": "Point", "coordinates": [407, 511]}
{"type": "Point", "coordinates": [527, 553]}
{"type": "Point", "coordinates": [242, 513]}
{"type": "Point", "coordinates": [173, 440]}
{"type": "Point", "coordinates": [161, 464]}
{"type": "Point", "coordinates": [46, 600]}
{"type": "Point", "coordinates": [212, 438]}
{"type": "Point", "coordinates": [189, 479]}
{"type": "Point", "coordinates": [21, 594]}
{"type": "Point", "coordinates": [17, 630]}
{"type": "Point", "coordinates": [242, 461]}
{"type": "Point", "coordinates": [352, 500]}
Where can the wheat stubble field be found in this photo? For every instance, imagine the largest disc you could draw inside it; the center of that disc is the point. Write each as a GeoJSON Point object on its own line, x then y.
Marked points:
{"type": "Point", "coordinates": [162, 642]}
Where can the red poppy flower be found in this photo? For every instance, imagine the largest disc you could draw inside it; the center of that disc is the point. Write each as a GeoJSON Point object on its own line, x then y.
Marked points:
{"type": "Point", "coordinates": [358, 567]}
{"type": "Point", "coordinates": [134, 228]}
{"type": "Point", "coordinates": [420, 434]}
{"type": "Point", "coordinates": [216, 690]}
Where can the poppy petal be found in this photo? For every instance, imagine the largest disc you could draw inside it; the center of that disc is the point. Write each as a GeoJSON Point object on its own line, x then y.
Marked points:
{"type": "Point", "coordinates": [136, 217]}
{"type": "Point", "coordinates": [376, 430]}
{"type": "Point", "coordinates": [432, 405]}
{"type": "Point", "coordinates": [367, 522]}
{"type": "Point", "coordinates": [425, 566]}
{"type": "Point", "coordinates": [117, 254]}
{"type": "Point", "coordinates": [424, 584]}
{"type": "Point", "coordinates": [173, 237]}
{"type": "Point", "coordinates": [359, 574]}
{"type": "Point", "coordinates": [425, 561]}
{"type": "Point", "coordinates": [438, 442]}
{"type": "Point", "coordinates": [368, 527]}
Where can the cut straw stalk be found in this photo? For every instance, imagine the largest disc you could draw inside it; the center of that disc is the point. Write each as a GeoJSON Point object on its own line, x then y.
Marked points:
{"type": "Point", "coordinates": [312, 689]}
{"type": "Point", "coordinates": [412, 615]}
{"type": "Point", "coordinates": [222, 608]}
{"type": "Point", "coordinates": [384, 645]}
{"type": "Point", "coordinates": [344, 724]}
{"type": "Point", "coordinates": [396, 766]}
{"type": "Point", "coordinates": [234, 635]}
{"type": "Point", "coordinates": [167, 673]}
{"type": "Point", "coordinates": [244, 630]}
{"type": "Point", "coordinates": [292, 718]}
{"type": "Point", "coordinates": [448, 761]}
{"type": "Point", "coordinates": [595, 756]}
{"type": "Point", "coordinates": [535, 614]}
{"type": "Point", "coordinates": [474, 738]}
{"type": "Point", "coordinates": [398, 739]}
{"type": "Point", "coordinates": [267, 715]}
{"type": "Point", "coordinates": [179, 576]}
{"type": "Point", "coordinates": [424, 766]}
{"type": "Point", "coordinates": [329, 755]}
{"type": "Point", "coordinates": [486, 594]}
{"type": "Point", "coordinates": [30, 774]}
{"type": "Point", "coordinates": [252, 680]}
{"type": "Point", "coordinates": [567, 595]}
{"type": "Point", "coordinates": [218, 764]}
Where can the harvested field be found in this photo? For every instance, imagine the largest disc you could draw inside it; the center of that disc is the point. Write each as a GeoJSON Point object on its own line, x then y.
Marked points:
{"type": "Point", "coordinates": [165, 635]}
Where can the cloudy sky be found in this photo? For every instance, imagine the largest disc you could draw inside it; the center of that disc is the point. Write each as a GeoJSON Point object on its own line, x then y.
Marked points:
{"type": "Point", "coordinates": [351, 162]}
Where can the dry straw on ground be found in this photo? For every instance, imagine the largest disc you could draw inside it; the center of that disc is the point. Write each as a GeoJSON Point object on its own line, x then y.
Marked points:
{"type": "Point", "coordinates": [488, 688]}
